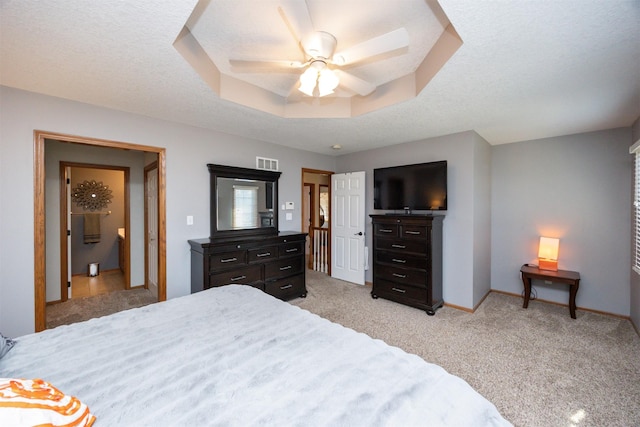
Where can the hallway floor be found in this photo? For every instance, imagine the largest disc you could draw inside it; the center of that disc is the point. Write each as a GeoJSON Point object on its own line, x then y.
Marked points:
{"type": "Point", "coordinates": [103, 283]}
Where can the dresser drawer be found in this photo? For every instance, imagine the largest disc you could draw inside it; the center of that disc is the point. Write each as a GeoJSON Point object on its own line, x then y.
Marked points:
{"type": "Point", "coordinates": [401, 260]}
{"type": "Point", "coordinates": [240, 276]}
{"type": "Point", "coordinates": [283, 268]}
{"type": "Point", "coordinates": [385, 230]}
{"type": "Point", "coordinates": [286, 288]}
{"type": "Point", "coordinates": [401, 275]}
{"type": "Point", "coordinates": [262, 254]}
{"type": "Point", "coordinates": [402, 245]}
{"type": "Point", "coordinates": [227, 259]}
{"type": "Point", "coordinates": [414, 232]}
{"type": "Point", "coordinates": [290, 249]}
{"type": "Point", "coordinates": [384, 288]}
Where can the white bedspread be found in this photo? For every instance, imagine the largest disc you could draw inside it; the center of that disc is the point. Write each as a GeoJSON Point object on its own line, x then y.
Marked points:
{"type": "Point", "coordinates": [234, 356]}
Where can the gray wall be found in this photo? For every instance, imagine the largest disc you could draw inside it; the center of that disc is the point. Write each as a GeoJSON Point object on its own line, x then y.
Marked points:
{"type": "Point", "coordinates": [534, 187]}
{"type": "Point", "coordinates": [466, 247]}
{"type": "Point", "coordinates": [481, 219]}
{"type": "Point", "coordinates": [635, 277]}
{"type": "Point", "coordinates": [576, 188]}
{"type": "Point", "coordinates": [188, 149]}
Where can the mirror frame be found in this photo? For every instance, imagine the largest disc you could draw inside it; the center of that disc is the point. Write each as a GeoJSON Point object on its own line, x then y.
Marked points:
{"type": "Point", "coordinates": [222, 171]}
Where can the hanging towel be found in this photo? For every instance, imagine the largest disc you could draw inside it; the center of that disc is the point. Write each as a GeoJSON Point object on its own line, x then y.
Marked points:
{"type": "Point", "coordinates": [91, 228]}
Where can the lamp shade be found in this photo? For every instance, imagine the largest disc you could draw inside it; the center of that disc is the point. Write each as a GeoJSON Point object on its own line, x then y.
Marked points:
{"type": "Point", "coordinates": [327, 82]}
{"type": "Point", "coordinates": [548, 253]}
{"type": "Point", "coordinates": [308, 81]}
{"type": "Point", "coordinates": [319, 74]}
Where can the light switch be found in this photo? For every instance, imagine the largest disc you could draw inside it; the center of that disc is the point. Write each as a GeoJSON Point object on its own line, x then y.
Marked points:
{"type": "Point", "coordinates": [289, 216]}
{"type": "Point", "coordinates": [189, 219]}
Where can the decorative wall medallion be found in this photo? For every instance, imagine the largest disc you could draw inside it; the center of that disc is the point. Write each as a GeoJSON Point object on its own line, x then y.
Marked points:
{"type": "Point", "coordinates": [91, 195]}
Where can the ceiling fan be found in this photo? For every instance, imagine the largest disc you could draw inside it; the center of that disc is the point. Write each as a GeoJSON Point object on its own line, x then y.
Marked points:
{"type": "Point", "coordinates": [321, 63]}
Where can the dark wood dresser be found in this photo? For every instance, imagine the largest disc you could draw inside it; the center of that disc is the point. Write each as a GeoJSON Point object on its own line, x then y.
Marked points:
{"type": "Point", "coordinates": [407, 260]}
{"type": "Point", "coordinates": [272, 263]}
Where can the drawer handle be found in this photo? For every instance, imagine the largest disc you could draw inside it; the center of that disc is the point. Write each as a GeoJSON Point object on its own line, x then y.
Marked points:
{"type": "Point", "coordinates": [292, 250]}
{"type": "Point", "coordinates": [402, 291]}
{"type": "Point", "coordinates": [412, 232]}
{"type": "Point", "coordinates": [401, 261]}
{"type": "Point", "coordinates": [229, 260]}
{"type": "Point", "coordinates": [288, 267]}
{"type": "Point", "coordinates": [264, 254]}
{"type": "Point", "coordinates": [385, 230]}
{"type": "Point", "coordinates": [402, 276]}
{"type": "Point", "coordinates": [398, 246]}
{"type": "Point", "coordinates": [234, 279]}
{"type": "Point", "coordinates": [286, 287]}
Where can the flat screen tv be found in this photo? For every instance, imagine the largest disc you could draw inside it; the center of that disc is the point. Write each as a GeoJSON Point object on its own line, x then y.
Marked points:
{"type": "Point", "coordinates": [411, 187]}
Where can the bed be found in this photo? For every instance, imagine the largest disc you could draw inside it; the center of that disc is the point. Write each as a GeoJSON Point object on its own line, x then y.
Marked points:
{"type": "Point", "coordinates": [235, 356]}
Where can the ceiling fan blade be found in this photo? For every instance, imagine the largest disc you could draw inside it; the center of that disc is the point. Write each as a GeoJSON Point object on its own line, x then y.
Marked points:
{"type": "Point", "coordinates": [241, 65]}
{"type": "Point", "coordinates": [297, 19]}
{"type": "Point", "coordinates": [355, 84]}
{"type": "Point", "coordinates": [396, 39]}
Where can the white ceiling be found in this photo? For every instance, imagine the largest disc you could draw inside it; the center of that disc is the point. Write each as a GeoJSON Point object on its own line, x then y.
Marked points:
{"type": "Point", "coordinates": [527, 69]}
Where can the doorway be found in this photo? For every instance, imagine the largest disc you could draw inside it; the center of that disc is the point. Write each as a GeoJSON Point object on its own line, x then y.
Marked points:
{"type": "Point", "coordinates": [316, 221]}
{"type": "Point", "coordinates": [40, 215]}
{"type": "Point", "coordinates": [82, 211]}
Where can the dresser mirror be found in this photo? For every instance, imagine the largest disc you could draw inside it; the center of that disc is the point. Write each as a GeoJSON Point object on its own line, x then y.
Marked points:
{"type": "Point", "coordinates": [244, 202]}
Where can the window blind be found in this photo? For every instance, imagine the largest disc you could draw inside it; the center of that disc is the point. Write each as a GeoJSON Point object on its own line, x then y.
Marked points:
{"type": "Point", "coordinates": [635, 149]}
{"type": "Point", "coordinates": [245, 207]}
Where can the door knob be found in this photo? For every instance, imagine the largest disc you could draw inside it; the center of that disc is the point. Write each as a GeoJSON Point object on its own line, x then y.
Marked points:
{"type": "Point", "coordinates": [358, 233]}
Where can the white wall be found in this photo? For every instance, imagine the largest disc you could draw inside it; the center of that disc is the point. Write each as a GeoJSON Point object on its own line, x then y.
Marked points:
{"type": "Point", "coordinates": [458, 227]}
{"type": "Point", "coordinates": [188, 149]}
{"type": "Point", "coordinates": [576, 188]}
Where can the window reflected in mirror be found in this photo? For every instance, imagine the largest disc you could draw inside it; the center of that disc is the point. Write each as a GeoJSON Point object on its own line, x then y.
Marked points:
{"type": "Point", "coordinates": [244, 204]}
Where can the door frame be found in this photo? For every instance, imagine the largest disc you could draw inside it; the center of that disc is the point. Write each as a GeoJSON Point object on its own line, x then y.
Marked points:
{"type": "Point", "coordinates": [64, 225]}
{"type": "Point", "coordinates": [39, 215]}
{"type": "Point", "coordinates": [312, 203]}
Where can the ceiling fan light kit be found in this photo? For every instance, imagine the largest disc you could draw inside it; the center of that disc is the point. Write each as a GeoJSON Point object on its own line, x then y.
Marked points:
{"type": "Point", "coordinates": [319, 50]}
{"type": "Point", "coordinates": [318, 74]}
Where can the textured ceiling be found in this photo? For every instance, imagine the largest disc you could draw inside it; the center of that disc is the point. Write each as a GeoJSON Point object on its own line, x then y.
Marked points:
{"type": "Point", "coordinates": [527, 69]}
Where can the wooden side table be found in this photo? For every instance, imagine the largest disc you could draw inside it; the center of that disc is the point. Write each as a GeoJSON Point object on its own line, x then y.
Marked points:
{"type": "Point", "coordinates": [571, 278]}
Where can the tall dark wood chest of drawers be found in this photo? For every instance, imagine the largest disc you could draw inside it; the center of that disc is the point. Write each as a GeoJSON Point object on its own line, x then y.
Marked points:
{"type": "Point", "coordinates": [272, 263]}
{"type": "Point", "coordinates": [407, 260]}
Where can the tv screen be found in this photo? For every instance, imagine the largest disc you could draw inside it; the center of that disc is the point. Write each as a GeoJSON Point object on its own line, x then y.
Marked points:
{"type": "Point", "coordinates": [411, 187]}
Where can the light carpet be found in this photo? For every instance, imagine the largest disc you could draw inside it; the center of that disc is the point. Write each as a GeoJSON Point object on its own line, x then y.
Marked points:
{"type": "Point", "coordinates": [80, 309]}
{"type": "Point", "coordinates": [538, 366]}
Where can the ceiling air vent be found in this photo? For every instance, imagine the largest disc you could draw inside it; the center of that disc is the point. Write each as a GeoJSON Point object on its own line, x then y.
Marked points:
{"type": "Point", "coordinates": [266, 164]}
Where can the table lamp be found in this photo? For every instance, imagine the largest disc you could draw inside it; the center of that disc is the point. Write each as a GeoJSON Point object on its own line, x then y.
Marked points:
{"type": "Point", "coordinates": [548, 253]}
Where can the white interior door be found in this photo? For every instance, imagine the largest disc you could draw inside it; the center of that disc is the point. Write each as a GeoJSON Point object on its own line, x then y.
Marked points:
{"type": "Point", "coordinates": [152, 229]}
{"type": "Point", "coordinates": [348, 225]}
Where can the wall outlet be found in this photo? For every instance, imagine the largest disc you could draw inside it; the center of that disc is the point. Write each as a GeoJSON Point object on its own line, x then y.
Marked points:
{"type": "Point", "coordinates": [289, 216]}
